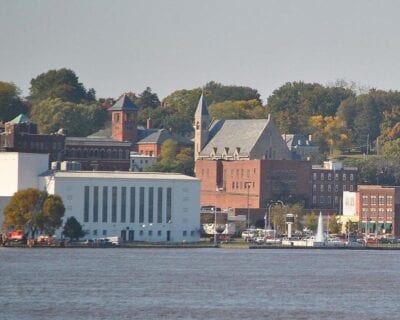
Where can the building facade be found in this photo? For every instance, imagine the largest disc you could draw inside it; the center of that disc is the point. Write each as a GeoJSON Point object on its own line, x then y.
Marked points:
{"type": "Point", "coordinates": [152, 207]}
{"type": "Point", "coordinates": [328, 183]}
{"type": "Point", "coordinates": [378, 208]}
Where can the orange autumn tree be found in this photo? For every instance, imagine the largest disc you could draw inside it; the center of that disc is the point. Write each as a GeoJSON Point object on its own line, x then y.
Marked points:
{"type": "Point", "coordinates": [331, 132]}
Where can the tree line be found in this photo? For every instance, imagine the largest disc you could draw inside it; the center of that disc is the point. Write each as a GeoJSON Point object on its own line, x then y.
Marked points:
{"type": "Point", "coordinates": [340, 117]}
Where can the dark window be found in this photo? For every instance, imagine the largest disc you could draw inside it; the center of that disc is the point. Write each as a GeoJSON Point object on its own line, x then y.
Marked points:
{"type": "Point", "coordinates": [114, 204]}
{"type": "Point", "coordinates": [86, 205]}
{"type": "Point", "coordinates": [105, 203]}
{"type": "Point", "coordinates": [151, 204]}
{"type": "Point", "coordinates": [159, 205]}
{"type": "Point", "coordinates": [169, 204]}
{"type": "Point", "coordinates": [133, 204]}
{"type": "Point", "coordinates": [141, 205]}
{"type": "Point", "coordinates": [123, 204]}
{"type": "Point", "coordinates": [95, 204]}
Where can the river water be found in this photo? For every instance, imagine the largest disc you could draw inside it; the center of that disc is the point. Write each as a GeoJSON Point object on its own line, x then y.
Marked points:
{"type": "Point", "coordinates": [198, 284]}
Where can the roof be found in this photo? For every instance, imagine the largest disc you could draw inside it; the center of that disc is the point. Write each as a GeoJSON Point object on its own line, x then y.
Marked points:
{"type": "Point", "coordinates": [119, 175]}
{"type": "Point", "coordinates": [101, 142]}
{"type": "Point", "coordinates": [20, 119]}
{"type": "Point", "coordinates": [235, 133]}
{"type": "Point", "coordinates": [202, 109]}
{"type": "Point", "coordinates": [124, 104]}
{"type": "Point", "coordinates": [145, 136]}
{"type": "Point", "coordinates": [293, 140]}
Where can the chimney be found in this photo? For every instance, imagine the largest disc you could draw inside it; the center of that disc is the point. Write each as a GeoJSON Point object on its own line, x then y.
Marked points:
{"type": "Point", "coordinates": [149, 123]}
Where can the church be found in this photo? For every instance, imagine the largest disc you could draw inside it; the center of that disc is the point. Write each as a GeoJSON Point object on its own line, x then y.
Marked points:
{"type": "Point", "coordinates": [244, 164]}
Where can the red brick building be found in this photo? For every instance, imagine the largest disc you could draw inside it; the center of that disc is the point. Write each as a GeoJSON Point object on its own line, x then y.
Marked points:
{"type": "Point", "coordinates": [378, 208]}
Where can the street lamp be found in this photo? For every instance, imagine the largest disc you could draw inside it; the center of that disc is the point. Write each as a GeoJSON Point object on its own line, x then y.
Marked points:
{"type": "Point", "coordinates": [269, 213]}
{"type": "Point", "coordinates": [217, 189]}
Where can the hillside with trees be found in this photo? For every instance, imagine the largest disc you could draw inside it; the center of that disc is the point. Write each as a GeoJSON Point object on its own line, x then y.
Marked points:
{"type": "Point", "coordinates": [341, 118]}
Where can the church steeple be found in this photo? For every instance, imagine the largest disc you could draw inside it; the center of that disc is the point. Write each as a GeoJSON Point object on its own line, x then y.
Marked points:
{"type": "Point", "coordinates": [202, 122]}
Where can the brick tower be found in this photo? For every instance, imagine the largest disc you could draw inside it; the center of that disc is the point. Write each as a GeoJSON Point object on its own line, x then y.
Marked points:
{"type": "Point", "coordinates": [124, 120]}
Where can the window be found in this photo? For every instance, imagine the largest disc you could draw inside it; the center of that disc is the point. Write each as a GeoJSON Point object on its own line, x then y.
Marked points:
{"type": "Point", "coordinates": [116, 117]}
{"type": "Point", "coordinates": [141, 232]}
{"type": "Point", "coordinates": [336, 176]}
{"type": "Point", "coordinates": [192, 233]}
{"type": "Point", "coordinates": [344, 187]}
{"type": "Point", "coordinates": [389, 200]}
{"type": "Point", "coordinates": [381, 200]}
{"type": "Point", "coordinates": [344, 177]}
{"type": "Point", "coordinates": [314, 187]}
{"type": "Point", "coordinates": [329, 200]}
{"type": "Point", "coordinates": [373, 200]}
{"type": "Point", "coordinates": [184, 233]}
{"type": "Point", "coordinates": [159, 233]}
{"type": "Point", "coordinates": [373, 212]}
{"type": "Point", "coordinates": [86, 205]}
{"type": "Point", "coordinates": [141, 205]}
{"type": "Point", "coordinates": [336, 199]}
{"type": "Point", "coordinates": [105, 204]}
{"type": "Point", "coordinates": [389, 213]}
{"type": "Point", "coordinates": [133, 204]}
{"type": "Point", "coordinates": [351, 177]}
{"type": "Point", "coordinates": [314, 199]}
{"type": "Point", "coordinates": [322, 176]}
{"type": "Point", "coordinates": [169, 204]}
{"type": "Point", "coordinates": [329, 188]}
{"type": "Point", "coordinates": [104, 232]}
{"type": "Point", "coordinates": [336, 188]}
{"type": "Point", "coordinates": [365, 201]}
{"type": "Point", "coordinates": [351, 188]}
{"type": "Point", "coordinates": [381, 213]}
{"type": "Point", "coordinates": [321, 199]}
{"type": "Point", "coordinates": [150, 233]}
{"type": "Point", "coordinates": [151, 204]}
{"type": "Point", "coordinates": [123, 204]}
{"type": "Point", "coordinates": [95, 232]}
{"type": "Point", "coordinates": [329, 176]}
{"type": "Point", "coordinates": [322, 188]}
{"type": "Point", "coordinates": [159, 205]}
{"type": "Point", "coordinates": [114, 204]}
{"type": "Point", "coordinates": [95, 204]}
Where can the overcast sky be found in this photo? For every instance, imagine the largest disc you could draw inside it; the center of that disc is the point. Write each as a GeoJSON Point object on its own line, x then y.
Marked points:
{"type": "Point", "coordinates": [118, 46]}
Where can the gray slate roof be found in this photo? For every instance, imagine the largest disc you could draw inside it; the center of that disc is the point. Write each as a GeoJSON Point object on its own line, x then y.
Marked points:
{"type": "Point", "coordinates": [234, 133]}
{"type": "Point", "coordinates": [124, 104]}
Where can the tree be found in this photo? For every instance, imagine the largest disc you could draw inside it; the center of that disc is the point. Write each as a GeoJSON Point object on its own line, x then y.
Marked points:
{"type": "Point", "coordinates": [293, 103]}
{"type": "Point", "coordinates": [172, 161]}
{"type": "Point", "coordinates": [216, 92]}
{"type": "Point", "coordinates": [73, 229]}
{"type": "Point", "coordinates": [77, 119]}
{"type": "Point", "coordinates": [11, 105]}
{"type": "Point", "coordinates": [62, 84]}
{"type": "Point", "coordinates": [311, 222]}
{"type": "Point", "coordinates": [148, 99]}
{"type": "Point", "coordinates": [334, 225]}
{"type": "Point", "coordinates": [250, 109]}
{"type": "Point", "coordinates": [34, 210]}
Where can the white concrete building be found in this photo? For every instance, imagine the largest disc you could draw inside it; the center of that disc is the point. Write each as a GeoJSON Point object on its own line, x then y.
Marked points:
{"type": "Point", "coordinates": [154, 207]}
{"type": "Point", "coordinates": [349, 203]}
{"type": "Point", "coordinates": [19, 171]}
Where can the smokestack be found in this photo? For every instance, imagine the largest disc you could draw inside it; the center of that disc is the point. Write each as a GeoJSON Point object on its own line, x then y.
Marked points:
{"type": "Point", "coordinates": [149, 123]}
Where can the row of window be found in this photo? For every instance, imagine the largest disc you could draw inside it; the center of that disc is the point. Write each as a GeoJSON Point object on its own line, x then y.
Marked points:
{"type": "Point", "coordinates": [329, 176]}
{"type": "Point", "coordinates": [40, 145]}
{"type": "Point", "coordinates": [239, 172]}
{"type": "Point", "coordinates": [98, 153]}
{"type": "Point", "coordinates": [243, 185]}
{"type": "Point", "coordinates": [374, 200]}
{"type": "Point", "coordinates": [329, 188]}
{"type": "Point", "coordinates": [381, 213]}
{"type": "Point", "coordinates": [127, 203]}
{"type": "Point", "coordinates": [325, 200]}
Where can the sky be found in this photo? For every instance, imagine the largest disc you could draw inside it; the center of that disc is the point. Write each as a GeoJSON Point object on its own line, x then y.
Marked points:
{"type": "Point", "coordinates": [119, 46]}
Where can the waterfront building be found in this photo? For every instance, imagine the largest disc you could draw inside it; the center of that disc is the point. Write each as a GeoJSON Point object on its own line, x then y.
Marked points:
{"type": "Point", "coordinates": [135, 206]}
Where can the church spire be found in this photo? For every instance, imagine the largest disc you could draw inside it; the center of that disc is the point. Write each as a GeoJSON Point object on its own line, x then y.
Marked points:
{"type": "Point", "coordinates": [202, 122]}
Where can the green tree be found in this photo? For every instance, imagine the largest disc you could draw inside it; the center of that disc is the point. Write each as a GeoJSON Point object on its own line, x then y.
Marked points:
{"type": "Point", "coordinates": [11, 105]}
{"type": "Point", "coordinates": [77, 119]}
{"type": "Point", "coordinates": [148, 99]}
{"type": "Point", "coordinates": [251, 109]}
{"type": "Point", "coordinates": [62, 84]}
{"type": "Point", "coordinates": [311, 222]}
{"type": "Point", "coordinates": [334, 225]}
{"type": "Point", "coordinates": [73, 229]}
{"type": "Point", "coordinates": [34, 210]}
{"type": "Point", "coordinates": [293, 103]}
{"type": "Point", "coordinates": [216, 92]}
{"type": "Point", "coordinates": [171, 160]}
